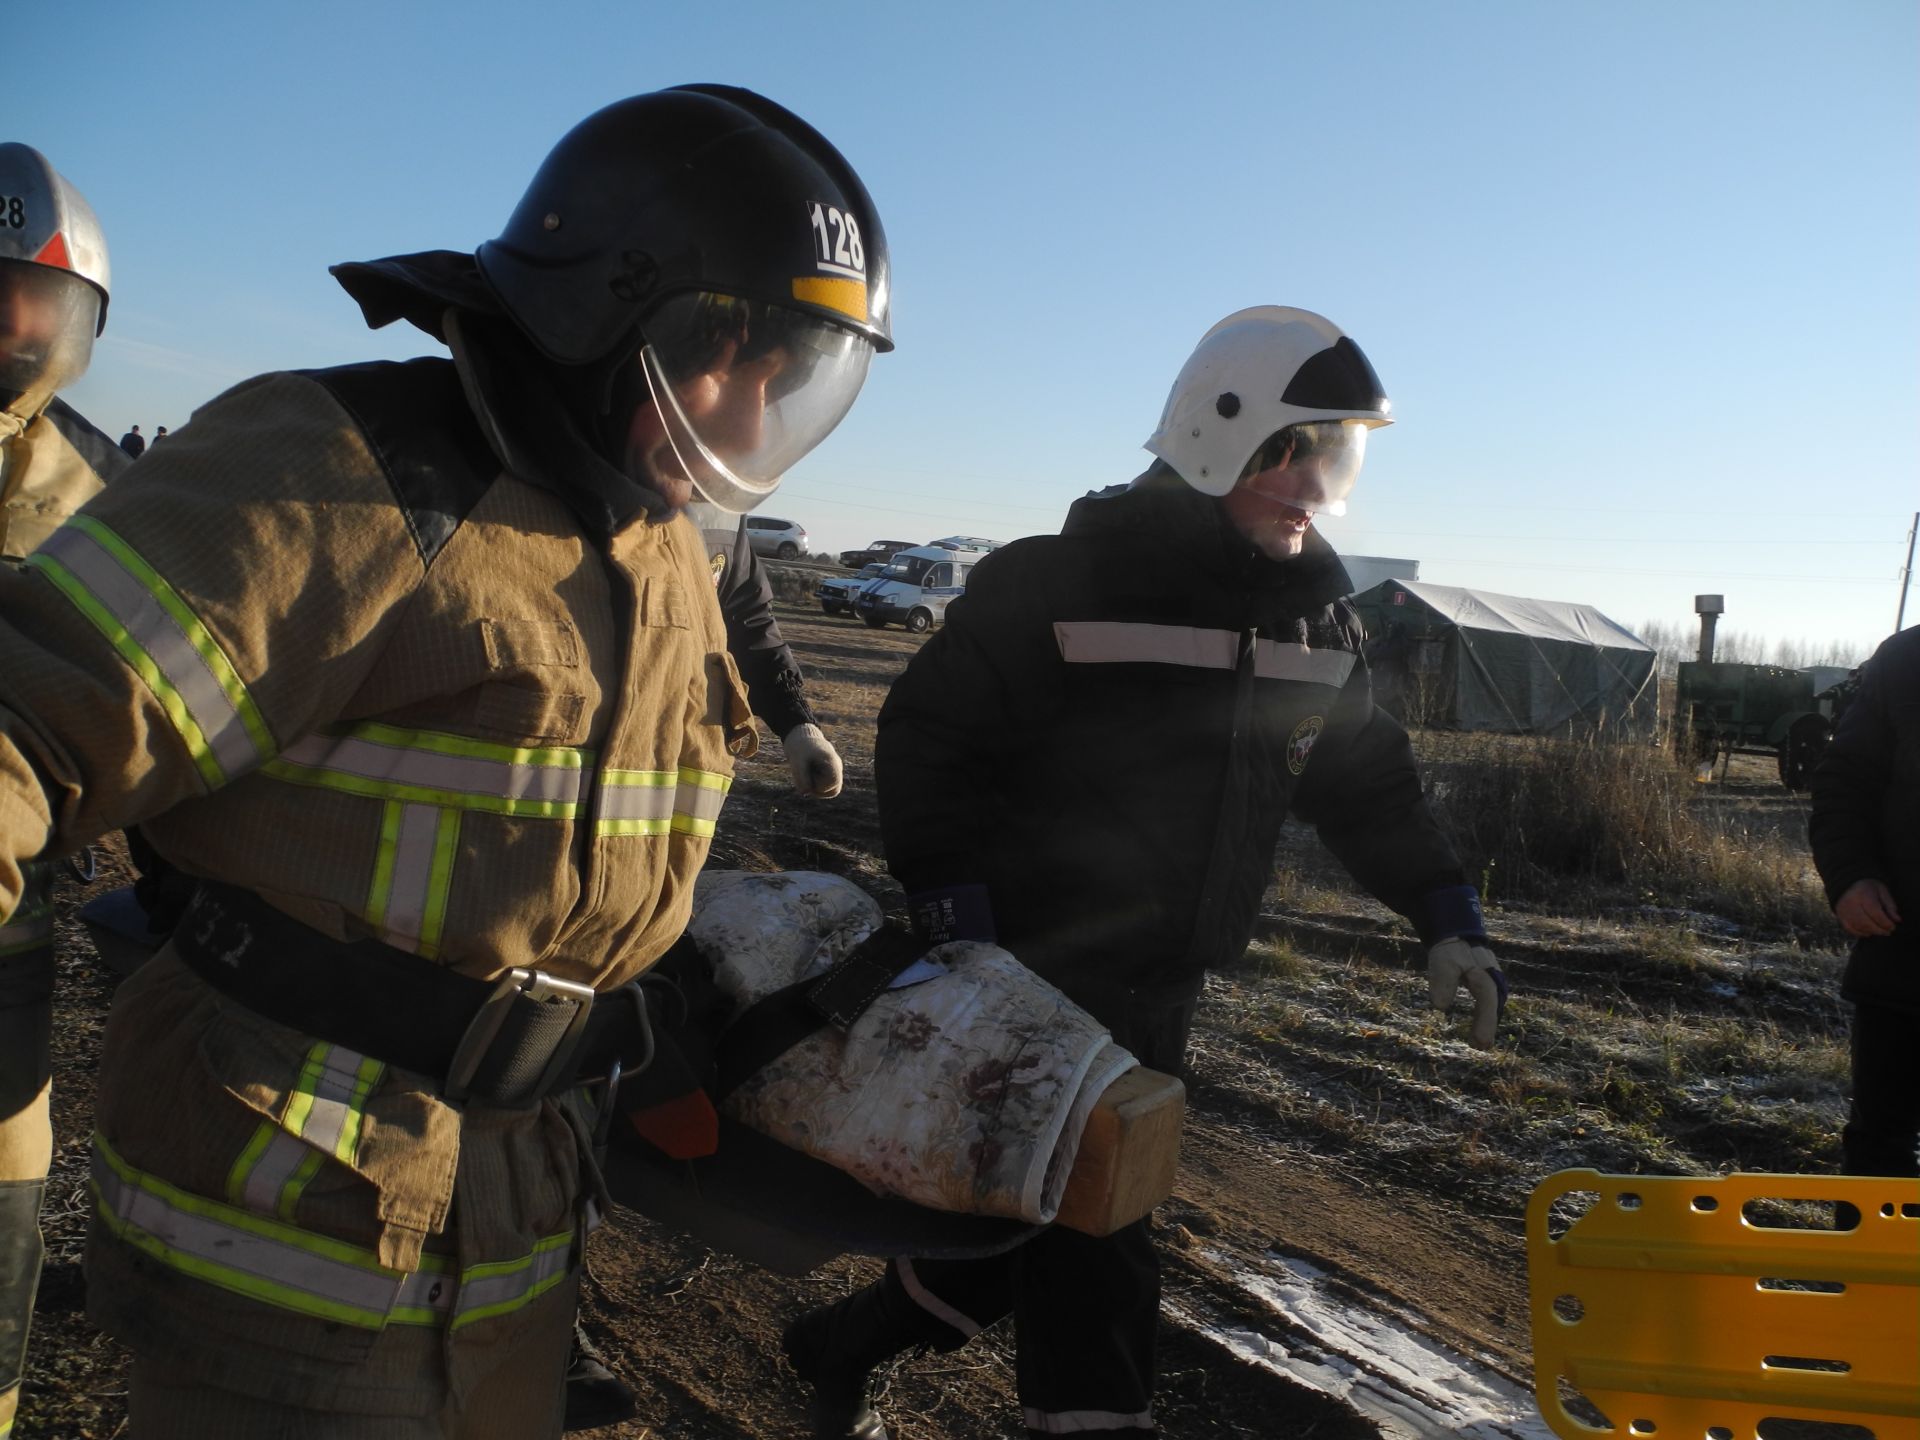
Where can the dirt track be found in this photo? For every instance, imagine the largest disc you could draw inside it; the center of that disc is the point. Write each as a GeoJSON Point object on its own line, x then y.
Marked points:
{"type": "Point", "coordinates": [1336, 1129]}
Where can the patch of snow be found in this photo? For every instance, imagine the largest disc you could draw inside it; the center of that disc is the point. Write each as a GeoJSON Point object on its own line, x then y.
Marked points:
{"type": "Point", "coordinates": [1412, 1387]}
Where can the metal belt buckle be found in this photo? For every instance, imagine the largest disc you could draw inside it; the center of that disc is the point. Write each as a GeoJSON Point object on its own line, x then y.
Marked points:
{"type": "Point", "coordinates": [516, 985]}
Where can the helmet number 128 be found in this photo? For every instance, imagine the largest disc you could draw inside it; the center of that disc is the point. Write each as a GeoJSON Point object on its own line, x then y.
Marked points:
{"type": "Point", "coordinates": [837, 238]}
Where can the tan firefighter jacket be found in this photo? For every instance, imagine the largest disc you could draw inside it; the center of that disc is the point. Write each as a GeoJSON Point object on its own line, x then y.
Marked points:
{"type": "Point", "coordinates": [48, 471]}
{"type": "Point", "coordinates": [320, 646]}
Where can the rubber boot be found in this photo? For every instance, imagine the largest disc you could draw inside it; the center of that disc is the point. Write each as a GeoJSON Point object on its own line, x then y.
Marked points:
{"type": "Point", "coordinates": [836, 1348]}
{"type": "Point", "coordinates": [20, 1253]}
{"type": "Point", "coordinates": [595, 1395]}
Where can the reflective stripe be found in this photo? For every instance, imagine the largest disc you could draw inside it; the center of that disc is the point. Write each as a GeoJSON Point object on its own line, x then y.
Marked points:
{"type": "Point", "coordinates": [156, 633]}
{"type": "Point", "coordinates": [1078, 1422]}
{"type": "Point", "coordinates": [932, 1303]}
{"type": "Point", "coordinates": [412, 875]}
{"type": "Point", "coordinates": [323, 1116]}
{"type": "Point", "coordinates": [281, 1265]}
{"type": "Point", "coordinates": [655, 802]}
{"type": "Point", "coordinates": [426, 767]}
{"type": "Point", "coordinates": [1117, 642]}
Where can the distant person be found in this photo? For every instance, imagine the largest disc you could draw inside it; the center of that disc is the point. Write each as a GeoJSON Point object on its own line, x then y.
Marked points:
{"type": "Point", "coordinates": [159, 434]}
{"type": "Point", "coordinates": [1865, 830]}
{"type": "Point", "coordinates": [134, 443]}
{"type": "Point", "coordinates": [1091, 762]}
{"type": "Point", "coordinates": [53, 303]}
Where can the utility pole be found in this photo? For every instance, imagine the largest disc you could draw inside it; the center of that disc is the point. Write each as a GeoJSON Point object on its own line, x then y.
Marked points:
{"type": "Point", "coordinates": [1906, 575]}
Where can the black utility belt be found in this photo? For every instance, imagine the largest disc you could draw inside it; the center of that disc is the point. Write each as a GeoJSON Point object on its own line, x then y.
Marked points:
{"type": "Point", "coordinates": [509, 1042]}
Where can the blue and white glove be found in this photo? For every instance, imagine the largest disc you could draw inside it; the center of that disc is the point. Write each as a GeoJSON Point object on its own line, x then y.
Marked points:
{"type": "Point", "coordinates": [1461, 957]}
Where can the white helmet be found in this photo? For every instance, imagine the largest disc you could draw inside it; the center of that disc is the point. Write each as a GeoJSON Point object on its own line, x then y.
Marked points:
{"type": "Point", "coordinates": [53, 281]}
{"type": "Point", "coordinates": [1256, 373]}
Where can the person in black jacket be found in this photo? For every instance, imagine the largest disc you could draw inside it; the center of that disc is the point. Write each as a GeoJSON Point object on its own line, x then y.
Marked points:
{"type": "Point", "coordinates": [1091, 764]}
{"type": "Point", "coordinates": [1865, 830]}
{"type": "Point", "coordinates": [775, 685]}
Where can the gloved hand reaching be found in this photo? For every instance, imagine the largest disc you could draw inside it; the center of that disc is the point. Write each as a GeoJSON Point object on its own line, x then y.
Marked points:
{"type": "Point", "coordinates": [1462, 960]}
{"type": "Point", "coordinates": [813, 761]}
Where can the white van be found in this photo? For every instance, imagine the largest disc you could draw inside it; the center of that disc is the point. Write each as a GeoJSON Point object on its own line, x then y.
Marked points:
{"type": "Point", "coordinates": [915, 587]}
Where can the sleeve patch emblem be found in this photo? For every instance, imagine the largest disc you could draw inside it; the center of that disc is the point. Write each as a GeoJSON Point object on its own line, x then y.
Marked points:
{"type": "Point", "coordinates": [1300, 743]}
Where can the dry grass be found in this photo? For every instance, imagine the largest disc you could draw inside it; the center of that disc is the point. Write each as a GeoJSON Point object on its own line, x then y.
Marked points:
{"type": "Point", "coordinates": [1529, 815]}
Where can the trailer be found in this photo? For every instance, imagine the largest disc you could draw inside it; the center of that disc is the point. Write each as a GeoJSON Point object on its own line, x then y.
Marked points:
{"type": "Point", "coordinates": [1723, 709]}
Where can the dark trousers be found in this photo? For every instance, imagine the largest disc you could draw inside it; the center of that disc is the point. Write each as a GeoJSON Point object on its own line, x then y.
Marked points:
{"type": "Point", "coordinates": [1085, 1308]}
{"type": "Point", "coordinates": [1882, 1136]}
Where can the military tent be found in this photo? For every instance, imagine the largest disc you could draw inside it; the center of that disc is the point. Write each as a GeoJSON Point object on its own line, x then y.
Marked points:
{"type": "Point", "coordinates": [1459, 659]}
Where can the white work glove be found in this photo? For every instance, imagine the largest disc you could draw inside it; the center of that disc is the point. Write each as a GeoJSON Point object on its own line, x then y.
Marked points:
{"type": "Point", "coordinates": [1457, 961]}
{"type": "Point", "coordinates": [813, 760]}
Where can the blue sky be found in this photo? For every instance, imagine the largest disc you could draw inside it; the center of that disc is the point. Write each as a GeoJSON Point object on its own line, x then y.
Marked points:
{"type": "Point", "coordinates": [1643, 279]}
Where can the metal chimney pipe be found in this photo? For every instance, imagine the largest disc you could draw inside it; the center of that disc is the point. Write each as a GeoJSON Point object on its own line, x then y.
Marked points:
{"type": "Point", "coordinates": [1709, 608]}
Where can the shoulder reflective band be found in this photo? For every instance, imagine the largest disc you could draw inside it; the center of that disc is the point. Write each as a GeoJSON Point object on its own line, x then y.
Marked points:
{"type": "Point", "coordinates": [657, 802]}
{"type": "Point", "coordinates": [426, 767]}
{"type": "Point", "coordinates": [322, 1118]}
{"type": "Point", "coordinates": [163, 640]}
{"type": "Point", "coordinates": [1118, 642]}
{"type": "Point", "coordinates": [1076, 1422]}
{"type": "Point", "coordinates": [30, 927]}
{"type": "Point", "coordinates": [290, 1268]}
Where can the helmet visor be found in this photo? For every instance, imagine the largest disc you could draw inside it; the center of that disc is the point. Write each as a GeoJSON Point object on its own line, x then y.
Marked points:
{"type": "Point", "coordinates": [47, 323]}
{"type": "Point", "coordinates": [1311, 467]}
{"type": "Point", "coordinates": [745, 389]}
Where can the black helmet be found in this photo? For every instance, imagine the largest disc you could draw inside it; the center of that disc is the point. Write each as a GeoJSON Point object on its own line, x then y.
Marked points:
{"type": "Point", "coordinates": [691, 218]}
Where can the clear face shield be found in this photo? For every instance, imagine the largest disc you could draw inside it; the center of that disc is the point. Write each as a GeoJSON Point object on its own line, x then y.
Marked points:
{"type": "Point", "coordinates": [48, 318]}
{"type": "Point", "coordinates": [1311, 467]}
{"type": "Point", "coordinates": [742, 390]}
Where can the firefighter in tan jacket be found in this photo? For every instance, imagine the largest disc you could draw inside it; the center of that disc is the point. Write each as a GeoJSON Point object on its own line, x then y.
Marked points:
{"type": "Point", "coordinates": [53, 303]}
{"type": "Point", "coordinates": [418, 667]}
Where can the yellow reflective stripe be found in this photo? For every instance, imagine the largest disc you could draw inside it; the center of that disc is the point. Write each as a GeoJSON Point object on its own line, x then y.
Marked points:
{"type": "Point", "coordinates": [323, 1117]}
{"type": "Point", "coordinates": [640, 802]}
{"type": "Point", "coordinates": [501, 1286]}
{"type": "Point", "coordinates": [156, 632]}
{"type": "Point", "coordinates": [424, 767]}
{"type": "Point", "coordinates": [413, 875]}
{"type": "Point", "coordinates": [293, 1269]}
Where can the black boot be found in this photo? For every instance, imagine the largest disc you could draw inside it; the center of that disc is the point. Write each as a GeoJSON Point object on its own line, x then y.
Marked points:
{"type": "Point", "coordinates": [835, 1348]}
{"type": "Point", "coordinates": [595, 1395]}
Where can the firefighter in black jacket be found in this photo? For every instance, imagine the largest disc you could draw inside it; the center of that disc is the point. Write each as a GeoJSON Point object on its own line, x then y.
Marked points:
{"type": "Point", "coordinates": [1091, 764]}
{"type": "Point", "coordinates": [1866, 797]}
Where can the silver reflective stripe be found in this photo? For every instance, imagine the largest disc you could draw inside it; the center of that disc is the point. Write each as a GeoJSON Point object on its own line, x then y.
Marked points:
{"type": "Point", "coordinates": [698, 800]}
{"type": "Point", "coordinates": [241, 1252]}
{"type": "Point", "coordinates": [932, 1303]}
{"type": "Point", "coordinates": [658, 802]}
{"type": "Point", "coordinates": [1121, 642]}
{"type": "Point", "coordinates": [487, 1290]}
{"type": "Point", "coordinates": [1275, 661]}
{"type": "Point", "coordinates": [86, 552]}
{"type": "Point", "coordinates": [268, 1181]}
{"type": "Point", "coordinates": [282, 1265]}
{"type": "Point", "coordinates": [412, 875]}
{"type": "Point", "coordinates": [1078, 1422]}
{"type": "Point", "coordinates": [397, 763]}
{"type": "Point", "coordinates": [638, 795]}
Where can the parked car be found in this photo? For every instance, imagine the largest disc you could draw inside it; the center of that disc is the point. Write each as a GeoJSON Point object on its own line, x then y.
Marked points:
{"type": "Point", "coordinates": [836, 595]}
{"type": "Point", "coordinates": [966, 542]}
{"type": "Point", "coordinates": [881, 550]}
{"type": "Point", "coordinates": [782, 538]}
{"type": "Point", "coordinates": [915, 589]}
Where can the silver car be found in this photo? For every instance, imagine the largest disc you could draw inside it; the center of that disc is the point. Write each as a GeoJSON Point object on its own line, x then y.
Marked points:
{"type": "Point", "coordinates": [783, 539]}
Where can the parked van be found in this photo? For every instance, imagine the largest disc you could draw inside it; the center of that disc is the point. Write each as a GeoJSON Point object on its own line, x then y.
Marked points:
{"type": "Point", "coordinates": [915, 588]}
